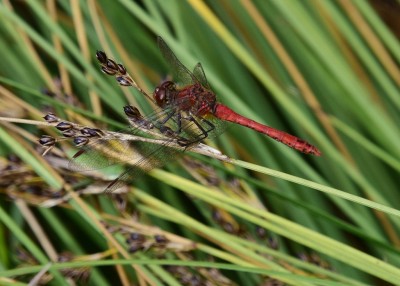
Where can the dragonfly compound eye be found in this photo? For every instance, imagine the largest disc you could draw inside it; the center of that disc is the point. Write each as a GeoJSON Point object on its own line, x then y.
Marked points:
{"type": "Point", "coordinates": [160, 96]}
{"type": "Point", "coordinates": [162, 93]}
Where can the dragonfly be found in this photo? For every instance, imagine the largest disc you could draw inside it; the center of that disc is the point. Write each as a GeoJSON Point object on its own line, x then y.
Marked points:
{"type": "Point", "coordinates": [187, 113]}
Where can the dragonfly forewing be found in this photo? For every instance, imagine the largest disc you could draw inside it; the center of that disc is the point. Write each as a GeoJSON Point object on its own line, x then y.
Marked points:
{"type": "Point", "coordinates": [180, 73]}
{"type": "Point", "coordinates": [154, 156]}
{"type": "Point", "coordinates": [103, 153]}
{"type": "Point", "coordinates": [198, 72]}
{"type": "Point", "coordinates": [116, 147]}
{"type": "Point", "coordinates": [150, 148]}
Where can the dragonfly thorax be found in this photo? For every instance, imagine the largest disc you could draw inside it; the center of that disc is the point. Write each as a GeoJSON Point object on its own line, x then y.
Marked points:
{"type": "Point", "coordinates": [196, 99]}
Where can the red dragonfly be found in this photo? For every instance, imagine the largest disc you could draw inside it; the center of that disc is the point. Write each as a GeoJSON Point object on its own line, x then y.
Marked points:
{"type": "Point", "coordinates": [197, 99]}
{"type": "Point", "coordinates": [187, 114]}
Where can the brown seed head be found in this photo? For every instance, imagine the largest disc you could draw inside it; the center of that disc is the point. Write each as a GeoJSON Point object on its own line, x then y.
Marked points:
{"type": "Point", "coordinates": [112, 65]}
{"type": "Point", "coordinates": [47, 140]}
{"type": "Point", "coordinates": [63, 126]}
{"type": "Point", "coordinates": [101, 57]}
{"type": "Point", "coordinates": [80, 141]}
{"type": "Point", "coordinates": [51, 117]}
{"type": "Point", "coordinates": [121, 69]}
{"type": "Point", "coordinates": [91, 132]}
{"type": "Point", "coordinates": [123, 81]}
{"type": "Point", "coordinates": [160, 239]}
{"type": "Point", "coordinates": [132, 112]}
{"type": "Point", "coordinates": [69, 133]}
{"type": "Point", "coordinates": [108, 71]}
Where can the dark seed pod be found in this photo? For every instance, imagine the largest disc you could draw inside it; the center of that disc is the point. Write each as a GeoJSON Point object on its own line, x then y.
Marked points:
{"type": "Point", "coordinates": [64, 257]}
{"type": "Point", "coordinates": [91, 132]}
{"type": "Point", "coordinates": [123, 81]}
{"type": "Point", "coordinates": [49, 93]}
{"type": "Point", "coordinates": [216, 215]}
{"type": "Point", "coordinates": [34, 190]}
{"type": "Point", "coordinates": [47, 140]}
{"type": "Point", "coordinates": [166, 131]}
{"type": "Point", "coordinates": [112, 65]}
{"type": "Point", "coordinates": [302, 256]}
{"type": "Point", "coordinates": [101, 57]}
{"type": "Point", "coordinates": [132, 112]}
{"type": "Point", "coordinates": [121, 69]}
{"type": "Point", "coordinates": [228, 227]}
{"type": "Point", "coordinates": [108, 71]}
{"type": "Point", "coordinates": [50, 117]}
{"type": "Point", "coordinates": [273, 242]}
{"type": "Point", "coordinates": [13, 158]}
{"type": "Point", "coordinates": [63, 126]}
{"type": "Point", "coordinates": [135, 247]}
{"type": "Point", "coordinates": [57, 195]}
{"type": "Point", "coordinates": [80, 141]}
{"type": "Point", "coordinates": [134, 115]}
{"type": "Point", "coordinates": [135, 236]}
{"type": "Point", "coordinates": [160, 239]}
{"type": "Point", "coordinates": [261, 232]}
{"type": "Point", "coordinates": [69, 133]}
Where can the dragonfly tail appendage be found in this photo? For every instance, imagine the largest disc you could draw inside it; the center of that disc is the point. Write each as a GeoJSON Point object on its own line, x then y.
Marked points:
{"type": "Point", "coordinates": [225, 113]}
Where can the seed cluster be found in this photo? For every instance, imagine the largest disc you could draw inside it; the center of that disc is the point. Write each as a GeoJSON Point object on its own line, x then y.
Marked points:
{"type": "Point", "coordinates": [110, 67]}
{"type": "Point", "coordinates": [80, 134]}
{"type": "Point", "coordinates": [198, 275]}
{"type": "Point", "coordinates": [186, 276]}
{"type": "Point", "coordinates": [77, 274]}
{"type": "Point", "coordinates": [159, 244]}
{"type": "Point", "coordinates": [19, 181]}
{"type": "Point", "coordinates": [137, 241]}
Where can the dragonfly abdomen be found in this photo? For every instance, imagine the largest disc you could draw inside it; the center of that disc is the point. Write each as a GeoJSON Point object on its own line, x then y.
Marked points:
{"type": "Point", "coordinates": [225, 113]}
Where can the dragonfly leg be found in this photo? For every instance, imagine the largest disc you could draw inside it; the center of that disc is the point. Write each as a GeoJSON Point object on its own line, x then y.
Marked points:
{"type": "Point", "coordinates": [179, 122]}
{"type": "Point", "coordinates": [168, 117]}
{"type": "Point", "coordinates": [210, 125]}
{"type": "Point", "coordinates": [204, 132]}
{"type": "Point", "coordinates": [167, 130]}
{"type": "Point", "coordinates": [174, 133]}
{"type": "Point", "coordinates": [202, 129]}
{"type": "Point", "coordinates": [184, 142]}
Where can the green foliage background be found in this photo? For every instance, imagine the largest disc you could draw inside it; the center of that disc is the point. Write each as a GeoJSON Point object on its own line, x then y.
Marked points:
{"type": "Point", "coordinates": [325, 71]}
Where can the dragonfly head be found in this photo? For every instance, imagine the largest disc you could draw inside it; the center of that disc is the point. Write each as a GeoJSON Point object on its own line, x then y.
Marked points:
{"type": "Point", "coordinates": [163, 94]}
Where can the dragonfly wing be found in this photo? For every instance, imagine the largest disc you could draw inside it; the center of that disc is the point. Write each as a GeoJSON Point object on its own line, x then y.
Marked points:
{"type": "Point", "coordinates": [102, 153]}
{"type": "Point", "coordinates": [110, 149]}
{"type": "Point", "coordinates": [154, 156]}
{"type": "Point", "coordinates": [179, 71]}
{"type": "Point", "coordinates": [198, 72]}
